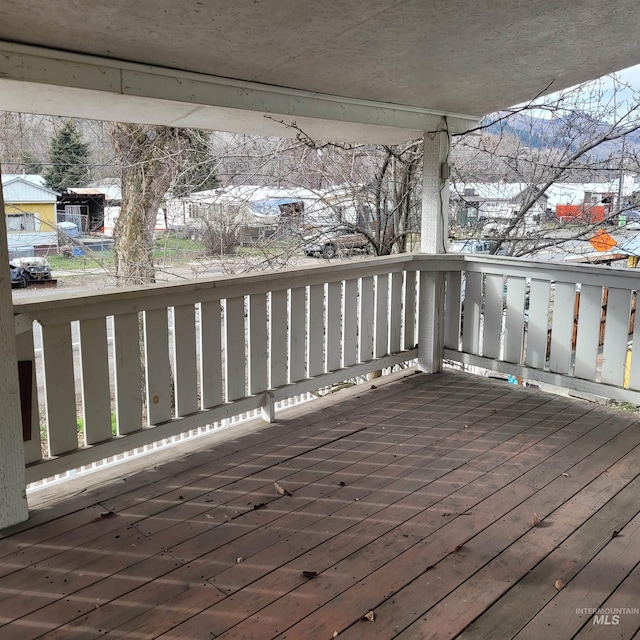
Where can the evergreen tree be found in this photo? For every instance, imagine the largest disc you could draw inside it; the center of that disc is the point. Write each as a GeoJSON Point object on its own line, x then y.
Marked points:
{"type": "Point", "coordinates": [30, 163]}
{"type": "Point", "coordinates": [68, 159]}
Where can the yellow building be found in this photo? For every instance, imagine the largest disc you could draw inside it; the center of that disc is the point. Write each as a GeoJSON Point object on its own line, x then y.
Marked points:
{"type": "Point", "coordinates": [28, 204]}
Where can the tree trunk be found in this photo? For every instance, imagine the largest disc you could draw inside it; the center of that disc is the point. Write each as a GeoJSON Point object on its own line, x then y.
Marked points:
{"type": "Point", "coordinates": [149, 159]}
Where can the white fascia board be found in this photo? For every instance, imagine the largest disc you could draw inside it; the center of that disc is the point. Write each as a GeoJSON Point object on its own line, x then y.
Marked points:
{"type": "Point", "coordinates": [38, 80]}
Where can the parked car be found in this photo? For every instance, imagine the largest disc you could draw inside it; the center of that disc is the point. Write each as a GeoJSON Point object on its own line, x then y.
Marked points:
{"type": "Point", "coordinates": [632, 220]}
{"type": "Point", "coordinates": [18, 276]}
{"type": "Point", "coordinates": [329, 244]}
{"type": "Point", "coordinates": [34, 269]}
{"type": "Point", "coordinates": [471, 246]}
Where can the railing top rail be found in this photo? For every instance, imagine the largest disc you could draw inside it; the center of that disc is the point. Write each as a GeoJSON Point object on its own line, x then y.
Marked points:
{"type": "Point", "coordinates": [55, 307]}
{"type": "Point", "coordinates": [600, 275]}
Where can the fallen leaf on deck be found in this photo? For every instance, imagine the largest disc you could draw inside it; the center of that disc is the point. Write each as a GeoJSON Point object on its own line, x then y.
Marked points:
{"type": "Point", "coordinates": [310, 574]}
{"type": "Point", "coordinates": [103, 515]}
{"type": "Point", "coordinates": [536, 519]}
{"type": "Point", "coordinates": [566, 475]}
{"type": "Point", "coordinates": [559, 585]}
{"type": "Point", "coordinates": [459, 546]}
{"type": "Point", "coordinates": [260, 505]}
{"type": "Point", "coordinates": [342, 483]}
{"type": "Point", "coordinates": [371, 616]}
{"type": "Point", "coordinates": [335, 634]}
{"type": "Point", "coordinates": [615, 534]}
{"type": "Point", "coordinates": [281, 491]}
{"type": "Point", "coordinates": [239, 559]}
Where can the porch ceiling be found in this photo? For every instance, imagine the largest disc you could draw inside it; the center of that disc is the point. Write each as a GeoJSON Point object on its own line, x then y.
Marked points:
{"type": "Point", "coordinates": [387, 69]}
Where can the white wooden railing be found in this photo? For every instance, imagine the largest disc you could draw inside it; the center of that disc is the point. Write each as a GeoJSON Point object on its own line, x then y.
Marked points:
{"type": "Point", "coordinates": [122, 369]}
{"type": "Point", "coordinates": [567, 325]}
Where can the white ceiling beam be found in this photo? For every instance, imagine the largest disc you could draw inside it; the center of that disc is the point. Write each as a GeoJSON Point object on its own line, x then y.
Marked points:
{"type": "Point", "coordinates": [38, 80]}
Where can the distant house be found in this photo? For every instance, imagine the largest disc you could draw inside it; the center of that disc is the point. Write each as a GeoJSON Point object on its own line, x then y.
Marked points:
{"type": "Point", "coordinates": [29, 204]}
{"type": "Point", "coordinates": [30, 210]}
{"type": "Point", "coordinates": [260, 211]}
{"type": "Point", "coordinates": [84, 207]}
{"type": "Point", "coordinates": [493, 205]}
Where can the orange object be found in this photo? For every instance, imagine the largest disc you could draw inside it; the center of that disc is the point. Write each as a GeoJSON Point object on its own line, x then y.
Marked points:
{"type": "Point", "coordinates": [580, 213]}
{"type": "Point", "coordinates": [602, 241]}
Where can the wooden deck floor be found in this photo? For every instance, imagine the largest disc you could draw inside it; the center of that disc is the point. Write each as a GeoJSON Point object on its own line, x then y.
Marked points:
{"type": "Point", "coordinates": [415, 500]}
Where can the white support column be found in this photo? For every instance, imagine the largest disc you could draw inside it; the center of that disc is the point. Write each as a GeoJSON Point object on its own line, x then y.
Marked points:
{"type": "Point", "coordinates": [434, 231]}
{"type": "Point", "coordinates": [13, 501]}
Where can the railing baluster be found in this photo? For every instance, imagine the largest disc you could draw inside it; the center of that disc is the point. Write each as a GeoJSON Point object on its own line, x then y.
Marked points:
{"type": "Point", "coordinates": [564, 301]}
{"type": "Point", "coordinates": [258, 361]}
{"type": "Point", "coordinates": [514, 320]}
{"type": "Point", "coordinates": [334, 325]}
{"type": "Point", "coordinates": [492, 326]}
{"type": "Point", "coordinates": [395, 311]}
{"type": "Point", "coordinates": [210, 354]}
{"type": "Point", "coordinates": [471, 316]}
{"type": "Point", "coordinates": [382, 316]}
{"type": "Point", "coordinates": [25, 352]}
{"type": "Point", "coordinates": [235, 352]}
{"type": "Point", "coordinates": [96, 396]}
{"type": "Point", "coordinates": [616, 335]}
{"type": "Point", "coordinates": [410, 307]}
{"type": "Point", "coordinates": [453, 305]}
{"type": "Point", "coordinates": [297, 335]}
{"type": "Point", "coordinates": [57, 350]}
{"type": "Point", "coordinates": [634, 369]}
{"type": "Point", "coordinates": [365, 346]}
{"type": "Point", "coordinates": [128, 372]}
{"type": "Point", "coordinates": [587, 340]}
{"type": "Point", "coordinates": [316, 330]}
{"type": "Point", "coordinates": [350, 323]}
{"type": "Point", "coordinates": [186, 371]}
{"type": "Point", "coordinates": [157, 368]}
{"type": "Point", "coordinates": [537, 324]}
{"type": "Point", "coordinates": [278, 332]}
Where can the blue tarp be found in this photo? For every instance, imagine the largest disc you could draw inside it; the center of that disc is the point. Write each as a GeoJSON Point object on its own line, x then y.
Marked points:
{"type": "Point", "coordinates": [271, 206]}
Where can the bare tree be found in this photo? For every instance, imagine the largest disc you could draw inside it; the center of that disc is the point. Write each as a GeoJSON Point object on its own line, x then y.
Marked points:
{"type": "Point", "coordinates": [577, 135]}
{"type": "Point", "coordinates": [149, 157]}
